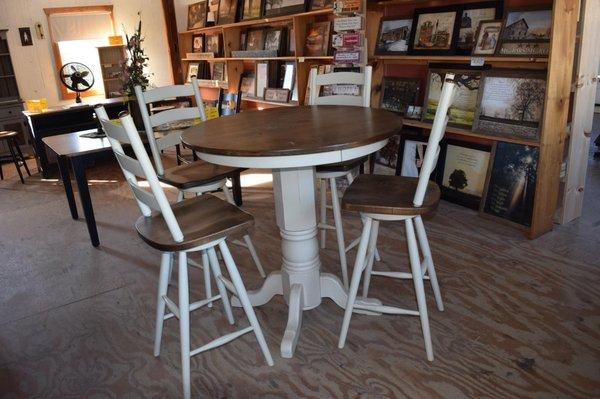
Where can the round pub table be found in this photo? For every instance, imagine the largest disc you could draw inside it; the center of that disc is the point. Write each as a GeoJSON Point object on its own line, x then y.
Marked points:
{"type": "Point", "coordinates": [292, 141]}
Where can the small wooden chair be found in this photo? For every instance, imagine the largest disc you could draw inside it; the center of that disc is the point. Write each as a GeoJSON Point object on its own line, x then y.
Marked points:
{"type": "Point", "coordinates": [15, 153]}
{"type": "Point", "coordinates": [197, 177]}
{"type": "Point", "coordinates": [396, 198]}
{"type": "Point", "coordinates": [200, 224]}
{"type": "Point", "coordinates": [229, 103]}
{"type": "Point", "coordinates": [329, 172]}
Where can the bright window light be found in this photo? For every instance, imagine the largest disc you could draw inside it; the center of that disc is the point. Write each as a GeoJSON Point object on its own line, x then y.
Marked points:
{"type": "Point", "coordinates": [84, 52]}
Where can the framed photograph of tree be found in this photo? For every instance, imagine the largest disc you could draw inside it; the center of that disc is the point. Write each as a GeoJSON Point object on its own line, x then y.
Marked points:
{"type": "Point", "coordinates": [511, 103]}
{"type": "Point", "coordinates": [434, 31]}
{"type": "Point", "coordinates": [510, 186]}
{"type": "Point", "coordinates": [463, 108]}
{"type": "Point", "coordinates": [462, 171]}
{"type": "Point", "coordinates": [471, 15]}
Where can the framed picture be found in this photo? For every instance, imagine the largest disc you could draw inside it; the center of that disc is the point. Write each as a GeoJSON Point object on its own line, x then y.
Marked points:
{"type": "Point", "coordinates": [526, 32]}
{"type": "Point", "coordinates": [251, 9]}
{"type": "Point", "coordinates": [219, 71]}
{"type": "Point", "coordinates": [486, 38]}
{"type": "Point", "coordinates": [413, 112]}
{"type": "Point", "coordinates": [434, 30]}
{"type": "Point", "coordinates": [262, 77]}
{"type": "Point", "coordinates": [397, 94]}
{"type": "Point", "coordinates": [320, 4]}
{"type": "Point", "coordinates": [287, 75]}
{"type": "Point", "coordinates": [511, 103]}
{"type": "Point", "coordinates": [255, 39]}
{"type": "Point", "coordinates": [463, 108]}
{"type": "Point", "coordinates": [471, 15]}
{"type": "Point", "coordinates": [393, 35]}
{"type": "Point", "coordinates": [198, 43]}
{"type": "Point", "coordinates": [462, 172]}
{"type": "Point", "coordinates": [385, 161]}
{"type": "Point", "coordinates": [317, 39]}
{"type": "Point", "coordinates": [243, 41]}
{"type": "Point", "coordinates": [510, 186]}
{"type": "Point", "coordinates": [291, 44]}
{"type": "Point", "coordinates": [25, 35]}
{"type": "Point", "coordinates": [227, 11]}
{"type": "Point", "coordinates": [274, 40]}
{"type": "Point", "coordinates": [213, 12]}
{"type": "Point", "coordinates": [197, 15]}
{"type": "Point", "coordinates": [412, 153]}
{"type": "Point", "coordinates": [213, 44]}
{"type": "Point", "coordinates": [192, 70]}
{"type": "Point", "coordinates": [284, 7]}
{"type": "Point", "coordinates": [248, 85]}
{"type": "Point", "coordinates": [277, 95]}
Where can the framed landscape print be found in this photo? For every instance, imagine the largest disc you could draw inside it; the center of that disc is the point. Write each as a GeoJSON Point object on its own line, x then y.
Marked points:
{"type": "Point", "coordinates": [487, 37]}
{"type": "Point", "coordinates": [463, 108]}
{"type": "Point", "coordinates": [526, 32]}
{"type": "Point", "coordinates": [510, 187]}
{"type": "Point", "coordinates": [471, 15]}
{"type": "Point", "coordinates": [434, 30]}
{"type": "Point", "coordinates": [393, 35]}
{"type": "Point", "coordinates": [284, 7]}
{"type": "Point", "coordinates": [197, 15]}
{"type": "Point", "coordinates": [227, 11]}
{"type": "Point", "coordinates": [462, 172]}
{"type": "Point", "coordinates": [213, 44]}
{"type": "Point", "coordinates": [317, 39]}
{"type": "Point", "coordinates": [198, 43]}
{"type": "Point", "coordinates": [511, 103]}
{"type": "Point", "coordinates": [397, 94]}
{"type": "Point", "coordinates": [251, 9]}
{"type": "Point", "coordinates": [385, 161]}
{"type": "Point", "coordinates": [255, 39]}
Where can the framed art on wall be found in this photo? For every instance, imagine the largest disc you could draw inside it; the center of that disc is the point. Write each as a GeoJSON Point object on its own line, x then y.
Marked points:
{"type": "Point", "coordinates": [397, 94]}
{"type": "Point", "coordinates": [198, 43]}
{"type": "Point", "coordinates": [317, 39]}
{"type": "Point", "coordinates": [227, 11]}
{"type": "Point", "coordinates": [197, 15]}
{"type": "Point", "coordinates": [251, 9]}
{"type": "Point", "coordinates": [471, 15]}
{"type": "Point", "coordinates": [462, 172]}
{"type": "Point", "coordinates": [283, 7]}
{"type": "Point", "coordinates": [526, 32]}
{"type": "Point", "coordinates": [510, 187]}
{"type": "Point", "coordinates": [511, 103]}
{"type": "Point", "coordinates": [255, 39]}
{"type": "Point", "coordinates": [434, 31]}
{"type": "Point", "coordinates": [463, 108]}
{"type": "Point", "coordinates": [487, 37]}
{"type": "Point", "coordinates": [213, 44]}
{"type": "Point", "coordinates": [393, 35]}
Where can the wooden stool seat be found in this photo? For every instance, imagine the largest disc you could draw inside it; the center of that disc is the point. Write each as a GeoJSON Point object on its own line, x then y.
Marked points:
{"type": "Point", "coordinates": [345, 166]}
{"type": "Point", "coordinates": [389, 195]}
{"type": "Point", "coordinates": [202, 219]}
{"type": "Point", "coordinates": [196, 174]}
{"type": "Point", "coordinates": [6, 134]}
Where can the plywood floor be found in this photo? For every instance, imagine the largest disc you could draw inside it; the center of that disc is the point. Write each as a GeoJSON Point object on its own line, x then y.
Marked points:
{"type": "Point", "coordinates": [522, 317]}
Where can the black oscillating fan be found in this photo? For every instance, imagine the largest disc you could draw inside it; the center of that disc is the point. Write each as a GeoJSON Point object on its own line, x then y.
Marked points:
{"type": "Point", "coordinates": [77, 77]}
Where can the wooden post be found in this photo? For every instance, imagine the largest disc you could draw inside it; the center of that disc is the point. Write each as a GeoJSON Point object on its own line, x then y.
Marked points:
{"type": "Point", "coordinates": [583, 112]}
{"type": "Point", "coordinates": [172, 40]}
{"type": "Point", "coordinates": [565, 14]}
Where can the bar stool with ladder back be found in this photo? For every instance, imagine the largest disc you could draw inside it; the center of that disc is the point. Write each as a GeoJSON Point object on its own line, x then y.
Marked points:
{"type": "Point", "coordinates": [199, 224]}
{"type": "Point", "coordinates": [397, 198]}
{"type": "Point", "coordinates": [10, 137]}
{"type": "Point", "coordinates": [328, 173]}
{"type": "Point", "coordinates": [197, 177]}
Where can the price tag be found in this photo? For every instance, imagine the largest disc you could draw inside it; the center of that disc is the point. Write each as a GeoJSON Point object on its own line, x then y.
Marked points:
{"type": "Point", "coordinates": [477, 61]}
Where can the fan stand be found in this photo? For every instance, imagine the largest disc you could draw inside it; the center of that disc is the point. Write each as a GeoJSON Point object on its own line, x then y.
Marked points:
{"type": "Point", "coordinates": [78, 98]}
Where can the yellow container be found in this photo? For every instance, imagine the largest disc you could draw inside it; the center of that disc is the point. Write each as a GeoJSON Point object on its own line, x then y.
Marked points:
{"type": "Point", "coordinates": [38, 105]}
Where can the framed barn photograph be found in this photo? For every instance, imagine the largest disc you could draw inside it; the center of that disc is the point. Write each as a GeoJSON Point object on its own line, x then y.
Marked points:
{"type": "Point", "coordinates": [471, 15]}
{"type": "Point", "coordinates": [393, 35]}
{"type": "Point", "coordinates": [511, 103]}
{"type": "Point", "coordinates": [197, 15]}
{"type": "Point", "coordinates": [397, 94]}
{"type": "Point", "coordinates": [526, 32]}
{"type": "Point", "coordinates": [434, 31]}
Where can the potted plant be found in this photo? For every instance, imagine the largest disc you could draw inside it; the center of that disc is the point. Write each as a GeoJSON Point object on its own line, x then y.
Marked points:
{"type": "Point", "coordinates": [133, 73]}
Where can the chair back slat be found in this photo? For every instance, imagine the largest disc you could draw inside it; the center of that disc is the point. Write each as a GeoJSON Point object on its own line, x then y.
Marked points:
{"type": "Point", "coordinates": [437, 133]}
{"type": "Point", "coordinates": [142, 167]}
{"type": "Point", "coordinates": [339, 78]}
{"type": "Point", "coordinates": [171, 139]}
{"type": "Point", "coordinates": [163, 93]}
{"type": "Point", "coordinates": [116, 133]}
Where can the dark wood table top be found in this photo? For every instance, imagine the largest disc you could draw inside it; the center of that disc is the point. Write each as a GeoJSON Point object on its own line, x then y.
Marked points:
{"type": "Point", "coordinates": [71, 144]}
{"type": "Point", "coordinates": [292, 131]}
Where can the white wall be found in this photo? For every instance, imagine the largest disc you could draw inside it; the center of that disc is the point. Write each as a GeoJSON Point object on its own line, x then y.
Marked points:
{"type": "Point", "coordinates": [34, 65]}
{"type": "Point", "coordinates": [181, 9]}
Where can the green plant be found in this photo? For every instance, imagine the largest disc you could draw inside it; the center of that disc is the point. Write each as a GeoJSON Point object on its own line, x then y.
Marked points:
{"type": "Point", "coordinates": [133, 67]}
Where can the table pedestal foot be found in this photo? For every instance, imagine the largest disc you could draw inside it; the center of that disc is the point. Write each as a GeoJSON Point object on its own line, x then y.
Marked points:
{"type": "Point", "coordinates": [272, 286]}
{"type": "Point", "coordinates": [292, 330]}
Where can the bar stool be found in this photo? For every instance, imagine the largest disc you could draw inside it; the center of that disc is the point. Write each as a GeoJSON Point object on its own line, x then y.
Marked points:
{"type": "Point", "coordinates": [15, 153]}
{"type": "Point", "coordinates": [200, 224]}
{"type": "Point", "coordinates": [397, 198]}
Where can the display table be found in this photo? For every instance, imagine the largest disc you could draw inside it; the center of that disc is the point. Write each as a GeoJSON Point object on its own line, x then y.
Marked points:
{"type": "Point", "coordinates": [292, 141]}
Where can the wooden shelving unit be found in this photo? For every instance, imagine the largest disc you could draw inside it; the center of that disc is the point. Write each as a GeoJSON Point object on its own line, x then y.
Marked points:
{"type": "Point", "coordinates": [111, 61]}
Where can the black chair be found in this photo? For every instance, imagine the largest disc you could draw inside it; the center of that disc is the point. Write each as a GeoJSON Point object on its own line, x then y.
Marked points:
{"type": "Point", "coordinates": [15, 153]}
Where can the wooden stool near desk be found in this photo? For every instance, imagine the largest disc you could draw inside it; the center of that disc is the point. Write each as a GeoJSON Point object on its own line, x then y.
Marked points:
{"type": "Point", "coordinates": [397, 198]}
{"type": "Point", "coordinates": [15, 152]}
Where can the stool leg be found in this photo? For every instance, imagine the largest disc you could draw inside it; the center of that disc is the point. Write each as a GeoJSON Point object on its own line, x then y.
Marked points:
{"type": "Point", "coordinates": [339, 230]}
{"type": "Point", "coordinates": [216, 269]}
{"type": "Point", "coordinates": [356, 273]}
{"type": "Point", "coordinates": [243, 297]}
{"type": "Point", "coordinates": [14, 158]}
{"type": "Point", "coordinates": [1, 174]}
{"type": "Point", "coordinates": [370, 257]}
{"type": "Point", "coordinates": [424, 244]}
{"type": "Point", "coordinates": [184, 323]}
{"type": "Point", "coordinates": [21, 156]}
{"type": "Point", "coordinates": [415, 265]}
{"type": "Point", "coordinates": [163, 286]}
{"type": "Point", "coordinates": [323, 209]}
{"type": "Point", "coordinates": [207, 282]}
